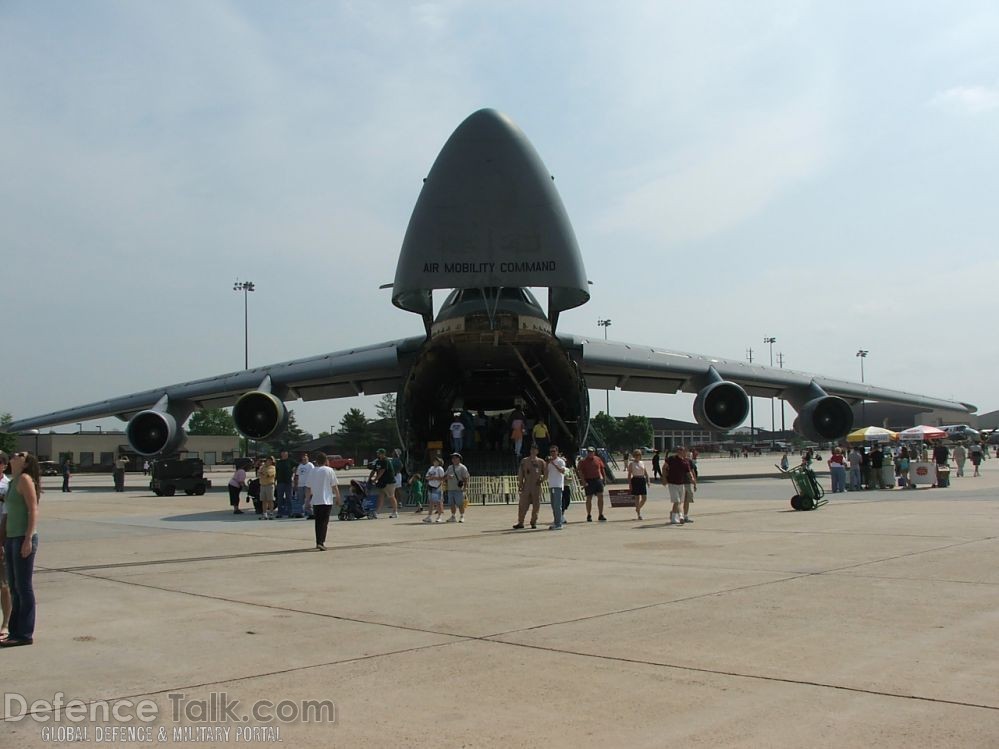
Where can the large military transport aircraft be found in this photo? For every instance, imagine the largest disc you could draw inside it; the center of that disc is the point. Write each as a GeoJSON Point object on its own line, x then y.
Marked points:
{"type": "Point", "coordinates": [488, 225]}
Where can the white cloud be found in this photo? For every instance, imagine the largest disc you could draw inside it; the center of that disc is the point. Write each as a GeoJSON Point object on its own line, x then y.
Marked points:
{"type": "Point", "coordinates": [967, 99]}
{"type": "Point", "coordinates": [727, 178]}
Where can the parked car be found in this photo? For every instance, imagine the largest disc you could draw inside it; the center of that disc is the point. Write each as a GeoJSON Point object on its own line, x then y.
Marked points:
{"type": "Point", "coordinates": [49, 467]}
{"type": "Point", "coordinates": [338, 462]}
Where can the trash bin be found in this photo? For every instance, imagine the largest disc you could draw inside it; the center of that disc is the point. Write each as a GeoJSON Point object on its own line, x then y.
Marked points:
{"type": "Point", "coordinates": [943, 476]}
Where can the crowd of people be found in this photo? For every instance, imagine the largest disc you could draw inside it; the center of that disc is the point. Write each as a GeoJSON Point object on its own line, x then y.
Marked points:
{"type": "Point", "coordinates": [876, 466]}
{"type": "Point", "coordinates": [285, 489]}
{"type": "Point", "coordinates": [511, 432]}
{"type": "Point", "coordinates": [441, 490]}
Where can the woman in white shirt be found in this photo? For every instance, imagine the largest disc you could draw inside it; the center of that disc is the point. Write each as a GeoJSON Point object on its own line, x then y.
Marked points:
{"type": "Point", "coordinates": [638, 480]}
{"type": "Point", "coordinates": [435, 478]}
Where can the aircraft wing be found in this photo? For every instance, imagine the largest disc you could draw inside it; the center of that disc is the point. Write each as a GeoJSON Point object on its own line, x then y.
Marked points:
{"type": "Point", "coordinates": [651, 369]}
{"type": "Point", "coordinates": [368, 370]}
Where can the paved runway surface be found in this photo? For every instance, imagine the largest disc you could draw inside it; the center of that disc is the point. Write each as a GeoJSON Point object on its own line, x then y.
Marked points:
{"type": "Point", "coordinates": [870, 622]}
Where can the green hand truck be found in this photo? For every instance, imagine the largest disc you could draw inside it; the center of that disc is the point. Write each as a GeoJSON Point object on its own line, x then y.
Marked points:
{"type": "Point", "coordinates": [809, 493]}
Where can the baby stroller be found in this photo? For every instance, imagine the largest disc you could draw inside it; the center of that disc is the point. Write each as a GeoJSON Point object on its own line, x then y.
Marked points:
{"type": "Point", "coordinates": [370, 498]}
{"type": "Point", "coordinates": [253, 494]}
{"type": "Point", "coordinates": [353, 504]}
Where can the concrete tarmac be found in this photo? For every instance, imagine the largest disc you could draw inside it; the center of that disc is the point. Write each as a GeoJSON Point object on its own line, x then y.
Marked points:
{"type": "Point", "coordinates": [869, 622]}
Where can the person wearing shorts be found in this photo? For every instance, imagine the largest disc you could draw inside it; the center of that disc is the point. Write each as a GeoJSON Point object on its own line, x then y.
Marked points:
{"type": "Point", "coordinates": [690, 486]}
{"type": "Point", "coordinates": [638, 480]}
{"type": "Point", "coordinates": [591, 471]}
{"type": "Point", "coordinates": [677, 476]}
{"type": "Point", "coordinates": [456, 477]}
{"type": "Point", "coordinates": [396, 461]}
{"type": "Point", "coordinates": [435, 479]}
{"type": "Point", "coordinates": [384, 478]}
{"type": "Point", "coordinates": [976, 459]}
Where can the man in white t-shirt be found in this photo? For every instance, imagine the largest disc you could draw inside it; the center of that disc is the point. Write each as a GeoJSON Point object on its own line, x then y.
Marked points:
{"type": "Point", "coordinates": [320, 492]}
{"type": "Point", "coordinates": [299, 481]}
{"type": "Point", "coordinates": [435, 480]}
{"type": "Point", "coordinates": [456, 479]}
{"type": "Point", "coordinates": [555, 471]}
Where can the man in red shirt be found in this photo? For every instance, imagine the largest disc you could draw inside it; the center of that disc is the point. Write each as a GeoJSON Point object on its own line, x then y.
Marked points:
{"type": "Point", "coordinates": [677, 477]}
{"type": "Point", "coordinates": [591, 472]}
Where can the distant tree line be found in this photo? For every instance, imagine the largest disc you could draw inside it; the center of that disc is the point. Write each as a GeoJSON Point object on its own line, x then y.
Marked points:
{"type": "Point", "coordinates": [8, 441]}
{"type": "Point", "coordinates": [619, 433]}
{"type": "Point", "coordinates": [357, 437]}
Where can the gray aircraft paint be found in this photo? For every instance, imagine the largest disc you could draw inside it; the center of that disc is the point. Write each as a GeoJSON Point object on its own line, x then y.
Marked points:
{"type": "Point", "coordinates": [489, 216]}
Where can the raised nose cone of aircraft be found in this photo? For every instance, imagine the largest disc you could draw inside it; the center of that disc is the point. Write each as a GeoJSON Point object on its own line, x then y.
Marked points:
{"type": "Point", "coordinates": [489, 216]}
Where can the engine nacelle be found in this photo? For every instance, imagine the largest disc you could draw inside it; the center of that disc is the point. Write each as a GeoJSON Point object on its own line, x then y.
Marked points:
{"type": "Point", "coordinates": [259, 415]}
{"type": "Point", "coordinates": [824, 419]}
{"type": "Point", "coordinates": [721, 406]}
{"type": "Point", "coordinates": [154, 433]}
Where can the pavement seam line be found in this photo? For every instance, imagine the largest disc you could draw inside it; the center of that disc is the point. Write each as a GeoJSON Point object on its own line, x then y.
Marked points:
{"type": "Point", "coordinates": [736, 674]}
{"type": "Point", "coordinates": [905, 555]}
{"type": "Point", "coordinates": [236, 679]}
{"type": "Point", "coordinates": [268, 606]}
{"type": "Point", "coordinates": [779, 580]}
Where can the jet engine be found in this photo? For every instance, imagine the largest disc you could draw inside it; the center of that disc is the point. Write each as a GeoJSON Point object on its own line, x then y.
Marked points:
{"type": "Point", "coordinates": [154, 432]}
{"type": "Point", "coordinates": [721, 406]}
{"type": "Point", "coordinates": [826, 418]}
{"type": "Point", "coordinates": [259, 415]}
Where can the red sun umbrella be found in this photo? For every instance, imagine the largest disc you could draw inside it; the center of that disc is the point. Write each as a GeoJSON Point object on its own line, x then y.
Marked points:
{"type": "Point", "coordinates": [922, 433]}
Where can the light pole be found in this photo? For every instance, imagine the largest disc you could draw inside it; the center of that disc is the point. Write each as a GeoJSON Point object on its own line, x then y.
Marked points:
{"type": "Point", "coordinates": [605, 324]}
{"type": "Point", "coordinates": [771, 340]}
{"type": "Point", "coordinates": [780, 363]}
{"type": "Point", "coordinates": [862, 353]}
{"type": "Point", "coordinates": [246, 287]}
{"type": "Point", "coordinates": [752, 416]}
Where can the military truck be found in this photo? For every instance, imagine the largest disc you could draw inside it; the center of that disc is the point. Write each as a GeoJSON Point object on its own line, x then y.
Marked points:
{"type": "Point", "coordinates": [171, 475]}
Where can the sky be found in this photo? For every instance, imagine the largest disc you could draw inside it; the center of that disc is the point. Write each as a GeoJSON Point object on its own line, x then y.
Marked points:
{"type": "Point", "coordinates": [821, 173]}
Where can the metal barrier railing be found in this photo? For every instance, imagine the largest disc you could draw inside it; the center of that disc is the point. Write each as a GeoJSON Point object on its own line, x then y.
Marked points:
{"type": "Point", "coordinates": [502, 490]}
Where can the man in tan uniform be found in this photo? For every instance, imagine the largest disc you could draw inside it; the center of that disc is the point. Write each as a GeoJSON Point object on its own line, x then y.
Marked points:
{"type": "Point", "coordinates": [529, 478]}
